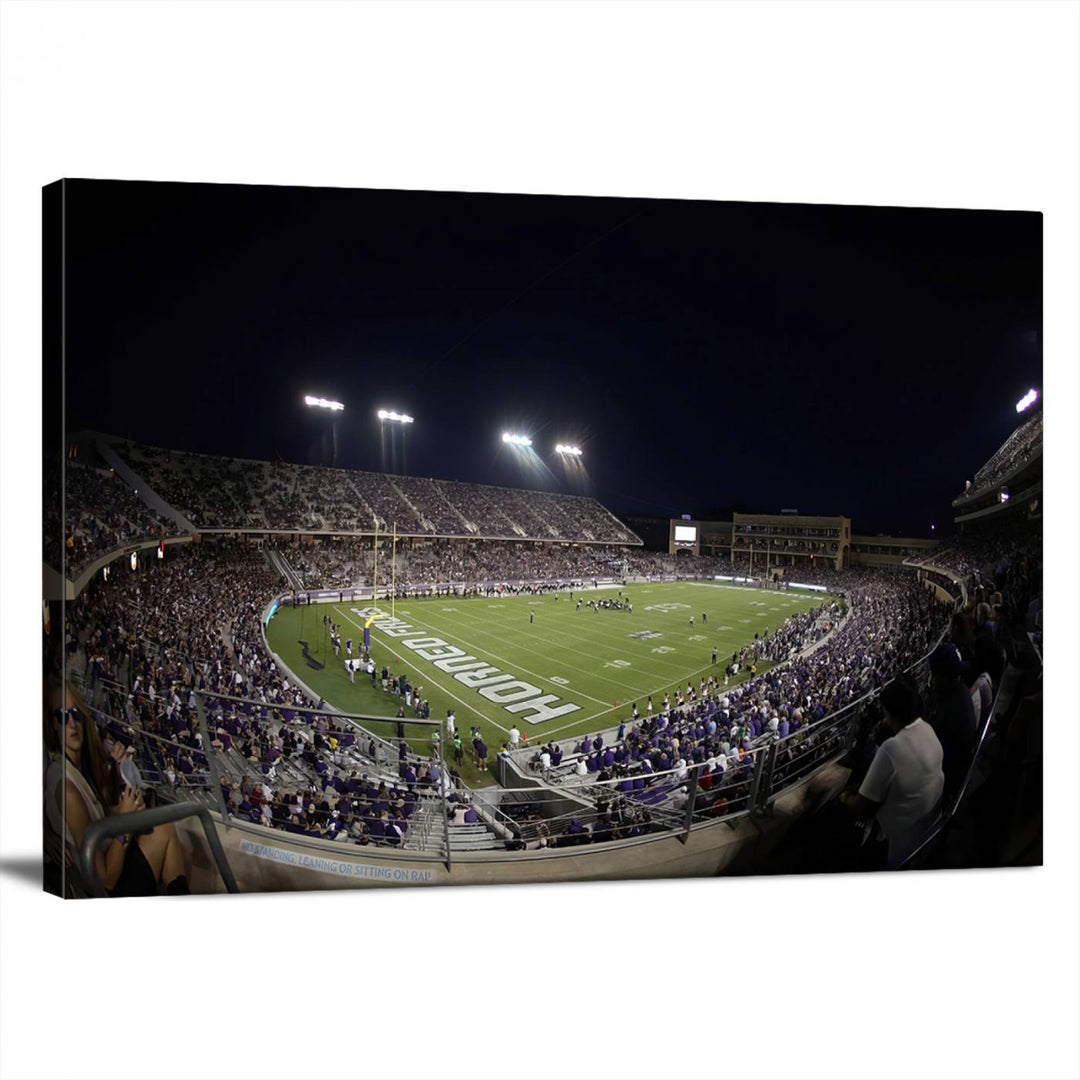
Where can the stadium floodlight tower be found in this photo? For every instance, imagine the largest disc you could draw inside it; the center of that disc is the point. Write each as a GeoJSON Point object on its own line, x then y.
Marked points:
{"type": "Point", "coordinates": [568, 451]}
{"type": "Point", "coordinates": [1027, 400]}
{"type": "Point", "coordinates": [323, 403]}
{"type": "Point", "coordinates": [333, 408]}
{"type": "Point", "coordinates": [516, 440]}
{"type": "Point", "coordinates": [403, 420]}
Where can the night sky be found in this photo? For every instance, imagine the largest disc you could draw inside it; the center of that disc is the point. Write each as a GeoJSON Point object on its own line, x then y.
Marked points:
{"type": "Point", "coordinates": [705, 356]}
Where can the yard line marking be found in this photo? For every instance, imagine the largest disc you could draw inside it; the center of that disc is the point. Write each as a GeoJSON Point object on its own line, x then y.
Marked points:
{"type": "Point", "coordinates": [501, 635]}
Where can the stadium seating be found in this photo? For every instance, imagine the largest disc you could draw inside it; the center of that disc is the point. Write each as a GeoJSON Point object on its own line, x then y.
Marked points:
{"type": "Point", "coordinates": [220, 493]}
{"type": "Point", "coordinates": [102, 513]}
{"type": "Point", "coordinates": [1015, 454]}
{"type": "Point", "coordinates": [892, 624]}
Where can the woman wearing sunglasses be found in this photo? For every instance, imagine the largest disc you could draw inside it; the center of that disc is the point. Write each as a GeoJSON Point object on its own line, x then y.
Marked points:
{"type": "Point", "coordinates": [81, 786]}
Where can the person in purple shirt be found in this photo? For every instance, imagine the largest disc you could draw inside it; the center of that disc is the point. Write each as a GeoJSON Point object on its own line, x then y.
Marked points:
{"type": "Point", "coordinates": [481, 753]}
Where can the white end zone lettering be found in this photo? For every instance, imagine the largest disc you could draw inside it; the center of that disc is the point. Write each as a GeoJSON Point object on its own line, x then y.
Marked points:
{"type": "Point", "coordinates": [507, 693]}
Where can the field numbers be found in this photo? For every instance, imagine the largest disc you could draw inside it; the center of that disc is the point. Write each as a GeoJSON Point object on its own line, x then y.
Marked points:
{"type": "Point", "coordinates": [661, 649]}
{"type": "Point", "coordinates": [559, 679]}
{"type": "Point", "coordinates": [617, 663]}
{"type": "Point", "coordinates": [697, 637]}
{"type": "Point", "coordinates": [725, 628]}
{"type": "Point", "coordinates": [667, 607]}
{"type": "Point", "coordinates": [449, 609]}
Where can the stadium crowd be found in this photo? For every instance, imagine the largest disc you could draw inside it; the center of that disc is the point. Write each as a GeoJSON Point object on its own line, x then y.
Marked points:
{"type": "Point", "coordinates": [1022, 446]}
{"type": "Point", "coordinates": [102, 513]}
{"type": "Point", "coordinates": [347, 562]}
{"type": "Point", "coordinates": [222, 492]}
{"type": "Point", "coordinates": [149, 640]}
{"type": "Point", "coordinates": [892, 624]}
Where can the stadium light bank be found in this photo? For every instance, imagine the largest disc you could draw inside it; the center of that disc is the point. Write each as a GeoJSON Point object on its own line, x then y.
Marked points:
{"type": "Point", "coordinates": [516, 440]}
{"type": "Point", "coordinates": [573, 451]}
{"type": "Point", "coordinates": [1027, 400]}
{"type": "Point", "coordinates": [400, 418]}
{"type": "Point", "coordinates": [323, 403]}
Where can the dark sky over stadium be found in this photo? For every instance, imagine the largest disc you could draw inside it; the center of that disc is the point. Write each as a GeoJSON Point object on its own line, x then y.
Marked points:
{"type": "Point", "coordinates": [705, 356]}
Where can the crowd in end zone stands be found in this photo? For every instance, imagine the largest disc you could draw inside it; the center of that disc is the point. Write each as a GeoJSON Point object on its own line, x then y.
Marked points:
{"type": "Point", "coordinates": [1020, 447]}
{"type": "Point", "coordinates": [344, 563]}
{"type": "Point", "coordinates": [221, 492]}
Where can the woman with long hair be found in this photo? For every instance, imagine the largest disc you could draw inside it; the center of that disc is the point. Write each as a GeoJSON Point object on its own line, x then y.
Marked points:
{"type": "Point", "coordinates": [81, 785]}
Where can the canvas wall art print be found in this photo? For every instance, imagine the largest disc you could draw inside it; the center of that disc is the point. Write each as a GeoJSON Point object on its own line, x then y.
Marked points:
{"type": "Point", "coordinates": [406, 538]}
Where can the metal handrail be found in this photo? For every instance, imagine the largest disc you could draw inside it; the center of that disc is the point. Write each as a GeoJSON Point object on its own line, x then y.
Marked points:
{"type": "Point", "coordinates": [142, 821]}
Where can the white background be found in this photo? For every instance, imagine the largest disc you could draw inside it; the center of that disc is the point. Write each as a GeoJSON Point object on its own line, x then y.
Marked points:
{"type": "Point", "coordinates": [955, 105]}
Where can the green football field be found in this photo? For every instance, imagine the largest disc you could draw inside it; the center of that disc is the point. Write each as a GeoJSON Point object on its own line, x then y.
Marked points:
{"type": "Point", "coordinates": [566, 672]}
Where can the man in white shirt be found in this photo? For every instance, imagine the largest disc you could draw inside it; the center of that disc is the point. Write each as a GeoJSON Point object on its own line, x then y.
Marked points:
{"type": "Point", "coordinates": [904, 784]}
{"type": "Point", "coordinates": [514, 736]}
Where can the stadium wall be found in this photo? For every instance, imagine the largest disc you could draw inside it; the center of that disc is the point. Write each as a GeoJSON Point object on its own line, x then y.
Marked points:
{"type": "Point", "coordinates": [269, 860]}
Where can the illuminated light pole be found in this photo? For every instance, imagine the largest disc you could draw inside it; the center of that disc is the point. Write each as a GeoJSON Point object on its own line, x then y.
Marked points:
{"type": "Point", "coordinates": [333, 407]}
{"type": "Point", "coordinates": [404, 420]}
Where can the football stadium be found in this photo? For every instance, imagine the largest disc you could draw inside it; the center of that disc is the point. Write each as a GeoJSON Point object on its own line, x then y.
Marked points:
{"type": "Point", "coordinates": [445, 698]}
{"type": "Point", "coordinates": [280, 658]}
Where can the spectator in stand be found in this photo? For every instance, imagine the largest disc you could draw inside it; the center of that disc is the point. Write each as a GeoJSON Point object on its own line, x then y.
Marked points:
{"type": "Point", "coordinates": [981, 689]}
{"type": "Point", "coordinates": [903, 787]}
{"type": "Point", "coordinates": [81, 786]}
{"type": "Point", "coordinates": [952, 715]}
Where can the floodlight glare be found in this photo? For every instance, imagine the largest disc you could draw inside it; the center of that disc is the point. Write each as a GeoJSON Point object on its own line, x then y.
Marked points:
{"type": "Point", "coordinates": [323, 403]}
{"type": "Point", "coordinates": [1027, 400]}
{"type": "Point", "coordinates": [389, 414]}
{"type": "Point", "coordinates": [574, 450]}
{"type": "Point", "coordinates": [516, 440]}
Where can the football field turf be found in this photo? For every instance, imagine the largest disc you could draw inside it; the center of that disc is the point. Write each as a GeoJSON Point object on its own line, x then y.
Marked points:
{"type": "Point", "coordinates": [565, 673]}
